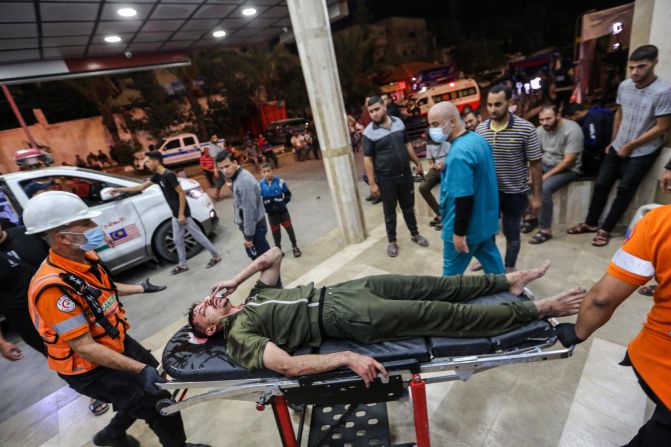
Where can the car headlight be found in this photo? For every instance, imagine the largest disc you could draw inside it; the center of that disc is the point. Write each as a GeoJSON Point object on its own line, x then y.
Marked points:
{"type": "Point", "coordinates": [195, 193]}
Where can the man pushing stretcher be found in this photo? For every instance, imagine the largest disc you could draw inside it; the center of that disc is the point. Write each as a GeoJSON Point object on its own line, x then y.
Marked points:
{"type": "Point", "coordinates": [272, 322]}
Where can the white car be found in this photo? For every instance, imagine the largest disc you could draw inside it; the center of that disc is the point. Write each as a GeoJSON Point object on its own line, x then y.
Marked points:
{"type": "Point", "coordinates": [178, 150]}
{"type": "Point", "coordinates": [139, 224]}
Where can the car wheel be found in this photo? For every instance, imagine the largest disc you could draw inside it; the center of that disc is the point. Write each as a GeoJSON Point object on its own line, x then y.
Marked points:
{"type": "Point", "coordinates": [164, 244]}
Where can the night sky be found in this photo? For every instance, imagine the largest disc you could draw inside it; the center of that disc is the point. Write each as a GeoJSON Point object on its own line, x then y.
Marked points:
{"type": "Point", "coordinates": [522, 25]}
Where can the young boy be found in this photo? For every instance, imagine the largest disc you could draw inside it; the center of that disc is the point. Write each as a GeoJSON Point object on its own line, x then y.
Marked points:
{"type": "Point", "coordinates": [276, 195]}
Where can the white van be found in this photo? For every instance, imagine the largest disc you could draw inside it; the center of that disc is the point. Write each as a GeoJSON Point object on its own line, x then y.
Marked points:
{"type": "Point", "coordinates": [460, 93]}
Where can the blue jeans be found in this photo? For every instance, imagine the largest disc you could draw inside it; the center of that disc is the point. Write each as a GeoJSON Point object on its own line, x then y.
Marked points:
{"type": "Point", "coordinates": [259, 239]}
{"type": "Point", "coordinates": [550, 186]}
{"type": "Point", "coordinates": [512, 208]}
{"type": "Point", "coordinates": [485, 252]}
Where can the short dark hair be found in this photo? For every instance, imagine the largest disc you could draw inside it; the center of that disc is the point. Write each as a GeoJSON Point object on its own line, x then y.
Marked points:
{"type": "Point", "coordinates": [265, 166]}
{"type": "Point", "coordinates": [154, 155]}
{"type": "Point", "coordinates": [373, 100]}
{"type": "Point", "coordinates": [552, 107]}
{"type": "Point", "coordinates": [224, 155]}
{"type": "Point", "coordinates": [644, 52]}
{"type": "Point", "coordinates": [196, 331]}
{"type": "Point", "coordinates": [465, 113]}
{"type": "Point", "coordinates": [572, 109]}
{"type": "Point", "coordinates": [498, 88]}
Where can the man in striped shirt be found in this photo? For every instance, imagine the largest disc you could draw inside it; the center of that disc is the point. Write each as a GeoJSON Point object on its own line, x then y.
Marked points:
{"type": "Point", "coordinates": [517, 154]}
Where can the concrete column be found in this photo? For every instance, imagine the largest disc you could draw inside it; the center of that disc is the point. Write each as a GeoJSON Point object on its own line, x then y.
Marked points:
{"type": "Point", "coordinates": [311, 27]}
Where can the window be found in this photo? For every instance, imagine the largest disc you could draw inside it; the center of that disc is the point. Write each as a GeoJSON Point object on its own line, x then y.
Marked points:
{"type": "Point", "coordinates": [189, 141]}
{"type": "Point", "coordinates": [422, 101]}
{"type": "Point", "coordinates": [172, 144]}
{"type": "Point", "coordinates": [87, 189]}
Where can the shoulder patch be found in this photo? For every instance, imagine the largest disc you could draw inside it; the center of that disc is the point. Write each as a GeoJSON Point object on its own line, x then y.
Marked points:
{"type": "Point", "coordinates": [65, 304]}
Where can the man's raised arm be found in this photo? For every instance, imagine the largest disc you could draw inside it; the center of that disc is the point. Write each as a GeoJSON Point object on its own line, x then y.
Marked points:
{"type": "Point", "coordinates": [279, 361]}
{"type": "Point", "coordinates": [268, 264]}
{"type": "Point", "coordinates": [137, 188]}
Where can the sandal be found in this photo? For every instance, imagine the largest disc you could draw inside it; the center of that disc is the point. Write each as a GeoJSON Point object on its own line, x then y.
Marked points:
{"type": "Point", "coordinates": [647, 290]}
{"type": "Point", "coordinates": [213, 261]}
{"type": "Point", "coordinates": [540, 237]}
{"type": "Point", "coordinates": [601, 239]}
{"type": "Point", "coordinates": [435, 221]}
{"type": "Point", "coordinates": [98, 407]}
{"type": "Point", "coordinates": [529, 225]}
{"type": "Point", "coordinates": [297, 252]}
{"type": "Point", "coordinates": [582, 228]}
{"type": "Point", "coordinates": [178, 269]}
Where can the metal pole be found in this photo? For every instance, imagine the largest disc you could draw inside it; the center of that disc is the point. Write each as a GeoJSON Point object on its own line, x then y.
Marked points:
{"type": "Point", "coordinates": [17, 113]}
{"type": "Point", "coordinates": [311, 27]}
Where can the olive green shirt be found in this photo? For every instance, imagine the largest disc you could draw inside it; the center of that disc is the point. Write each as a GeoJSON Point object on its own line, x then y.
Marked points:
{"type": "Point", "coordinates": [288, 317]}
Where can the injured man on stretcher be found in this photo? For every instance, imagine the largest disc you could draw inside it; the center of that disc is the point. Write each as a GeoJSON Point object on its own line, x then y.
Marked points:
{"type": "Point", "coordinates": [274, 322]}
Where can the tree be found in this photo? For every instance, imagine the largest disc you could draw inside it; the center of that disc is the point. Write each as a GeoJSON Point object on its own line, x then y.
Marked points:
{"type": "Point", "coordinates": [187, 76]}
{"type": "Point", "coordinates": [101, 90]}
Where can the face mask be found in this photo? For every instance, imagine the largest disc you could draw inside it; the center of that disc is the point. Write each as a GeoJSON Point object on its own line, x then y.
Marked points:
{"type": "Point", "coordinates": [438, 135]}
{"type": "Point", "coordinates": [94, 238]}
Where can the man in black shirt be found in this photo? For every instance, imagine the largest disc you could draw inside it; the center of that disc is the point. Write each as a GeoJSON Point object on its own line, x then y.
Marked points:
{"type": "Point", "coordinates": [387, 153]}
{"type": "Point", "coordinates": [181, 214]}
{"type": "Point", "coordinates": [392, 108]}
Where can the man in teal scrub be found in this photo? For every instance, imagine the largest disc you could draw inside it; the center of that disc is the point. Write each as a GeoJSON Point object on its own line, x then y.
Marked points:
{"type": "Point", "coordinates": [469, 200]}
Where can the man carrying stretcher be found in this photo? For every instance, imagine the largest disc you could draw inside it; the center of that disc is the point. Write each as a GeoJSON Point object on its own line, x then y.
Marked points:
{"type": "Point", "coordinates": [273, 322]}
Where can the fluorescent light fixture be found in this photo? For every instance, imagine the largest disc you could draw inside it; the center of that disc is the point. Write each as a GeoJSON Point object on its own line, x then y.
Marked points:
{"type": "Point", "coordinates": [112, 39]}
{"type": "Point", "coordinates": [248, 11]}
{"type": "Point", "coordinates": [126, 12]}
{"type": "Point", "coordinates": [219, 33]}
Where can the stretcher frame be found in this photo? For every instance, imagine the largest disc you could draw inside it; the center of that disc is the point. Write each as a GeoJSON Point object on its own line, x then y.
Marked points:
{"type": "Point", "coordinates": [273, 391]}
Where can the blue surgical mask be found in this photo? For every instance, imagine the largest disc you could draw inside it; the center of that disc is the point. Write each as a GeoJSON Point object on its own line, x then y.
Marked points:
{"type": "Point", "coordinates": [94, 239]}
{"type": "Point", "coordinates": [437, 135]}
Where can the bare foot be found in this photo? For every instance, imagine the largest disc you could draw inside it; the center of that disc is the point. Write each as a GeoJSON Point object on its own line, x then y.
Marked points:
{"type": "Point", "coordinates": [519, 280]}
{"type": "Point", "coordinates": [476, 267]}
{"type": "Point", "coordinates": [561, 305]}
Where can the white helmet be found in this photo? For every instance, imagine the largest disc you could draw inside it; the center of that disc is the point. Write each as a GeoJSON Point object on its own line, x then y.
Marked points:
{"type": "Point", "coordinates": [53, 209]}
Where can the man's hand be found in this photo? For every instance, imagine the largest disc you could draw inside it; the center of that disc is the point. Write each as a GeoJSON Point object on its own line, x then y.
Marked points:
{"type": "Point", "coordinates": [248, 244]}
{"type": "Point", "coordinates": [608, 148]}
{"type": "Point", "coordinates": [366, 367]}
{"type": "Point", "coordinates": [420, 169]}
{"type": "Point", "coordinates": [625, 150]}
{"type": "Point", "coordinates": [148, 378]}
{"type": "Point", "coordinates": [460, 244]}
{"type": "Point", "coordinates": [665, 181]}
{"type": "Point", "coordinates": [114, 191]}
{"type": "Point", "coordinates": [10, 351]}
{"type": "Point", "coordinates": [229, 285]}
{"type": "Point", "coordinates": [536, 205]}
{"type": "Point", "coordinates": [181, 219]}
{"type": "Point", "coordinates": [151, 288]}
{"type": "Point", "coordinates": [374, 189]}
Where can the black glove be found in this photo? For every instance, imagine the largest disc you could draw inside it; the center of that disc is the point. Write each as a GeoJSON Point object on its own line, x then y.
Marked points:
{"type": "Point", "coordinates": [151, 288]}
{"type": "Point", "coordinates": [148, 378]}
{"type": "Point", "coordinates": [566, 335]}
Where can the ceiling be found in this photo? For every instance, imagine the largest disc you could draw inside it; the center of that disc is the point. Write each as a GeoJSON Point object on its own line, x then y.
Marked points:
{"type": "Point", "coordinates": [42, 30]}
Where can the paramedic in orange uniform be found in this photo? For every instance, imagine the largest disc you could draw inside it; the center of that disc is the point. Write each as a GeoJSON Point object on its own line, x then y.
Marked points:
{"type": "Point", "coordinates": [645, 254]}
{"type": "Point", "coordinates": [74, 305]}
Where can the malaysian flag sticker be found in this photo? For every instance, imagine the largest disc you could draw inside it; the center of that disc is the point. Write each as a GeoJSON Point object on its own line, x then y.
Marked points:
{"type": "Point", "coordinates": [125, 234]}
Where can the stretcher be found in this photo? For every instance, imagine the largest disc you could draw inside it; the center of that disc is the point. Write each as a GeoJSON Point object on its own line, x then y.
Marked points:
{"type": "Point", "coordinates": [344, 411]}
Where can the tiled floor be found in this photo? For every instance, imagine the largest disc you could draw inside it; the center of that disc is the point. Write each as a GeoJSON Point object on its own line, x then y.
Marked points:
{"type": "Point", "coordinates": [585, 400]}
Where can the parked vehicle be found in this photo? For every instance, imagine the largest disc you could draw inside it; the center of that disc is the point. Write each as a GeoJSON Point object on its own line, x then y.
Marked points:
{"type": "Point", "coordinates": [180, 149]}
{"type": "Point", "coordinates": [30, 158]}
{"type": "Point", "coordinates": [461, 93]}
{"type": "Point", "coordinates": [279, 132]}
{"type": "Point", "coordinates": [139, 224]}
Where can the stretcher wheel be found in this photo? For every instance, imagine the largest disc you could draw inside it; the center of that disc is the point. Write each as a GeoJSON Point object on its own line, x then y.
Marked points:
{"type": "Point", "coordinates": [163, 403]}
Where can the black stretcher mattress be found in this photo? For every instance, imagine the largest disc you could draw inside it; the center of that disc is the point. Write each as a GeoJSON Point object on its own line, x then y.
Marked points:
{"type": "Point", "coordinates": [187, 360]}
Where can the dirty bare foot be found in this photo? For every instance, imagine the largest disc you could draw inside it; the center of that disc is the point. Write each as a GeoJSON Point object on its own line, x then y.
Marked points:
{"type": "Point", "coordinates": [519, 280]}
{"type": "Point", "coordinates": [563, 304]}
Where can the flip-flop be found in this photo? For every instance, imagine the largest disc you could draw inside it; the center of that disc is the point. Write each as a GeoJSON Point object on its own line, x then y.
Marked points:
{"type": "Point", "coordinates": [178, 269]}
{"type": "Point", "coordinates": [647, 290]}
{"type": "Point", "coordinates": [529, 225]}
{"type": "Point", "coordinates": [213, 262]}
{"type": "Point", "coordinates": [601, 239]}
{"type": "Point", "coordinates": [98, 407]}
{"type": "Point", "coordinates": [540, 237]}
{"type": "Point", "coordinates": [581, 228]}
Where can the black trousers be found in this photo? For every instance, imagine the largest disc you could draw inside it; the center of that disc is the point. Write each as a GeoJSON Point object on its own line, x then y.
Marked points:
{"type": "Point", "coordinates": [401, 190]}
{"type": "Point", "coordinates": [630, 171]}
{"type": "Point", "coordinates": [128, 399]}
{"type": "Point", "coordinates": [431, 179]}
{"type": "Point", "coordinates": [657, 431]}
{"type": "Point", "coordinates": [512, 207]}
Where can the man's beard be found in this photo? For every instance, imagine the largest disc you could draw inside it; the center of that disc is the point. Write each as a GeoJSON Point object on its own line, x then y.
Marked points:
{"type": "Point", "coordinates": [381, 120]}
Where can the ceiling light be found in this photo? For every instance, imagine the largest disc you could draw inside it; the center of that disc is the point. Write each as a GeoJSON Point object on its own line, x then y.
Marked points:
{"type": "Point", "coordinates": [112, 39]}
{"type": "Point", "coordinates": [248, 12]}
{"type": "Point", "coordinates": [219, 33]}
{"type": "Point", "coordinates": [126, 12]}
